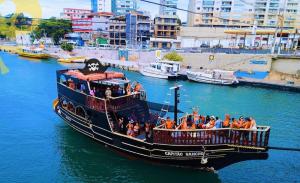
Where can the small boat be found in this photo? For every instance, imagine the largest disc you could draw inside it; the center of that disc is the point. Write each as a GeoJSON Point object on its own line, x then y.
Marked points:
{"type": "Point", "coordinates": [72, 60]}
{"type": "Point", "coordinates": [162, 70]}
{"type": "Point", "coordinates": [100, 104]}
{"type": "Point", "coordinates": [215, 76]}
{"type": "Point", "coordinates": [33, 53]}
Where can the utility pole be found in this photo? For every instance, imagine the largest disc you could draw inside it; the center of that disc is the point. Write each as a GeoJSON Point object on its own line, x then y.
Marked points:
{"type": "Point", "coordinates": [280, 17]}
{"type": "Point", "coordinates": [281, 21]}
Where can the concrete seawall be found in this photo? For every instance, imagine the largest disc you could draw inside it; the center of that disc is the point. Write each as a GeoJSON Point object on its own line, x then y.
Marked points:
{"type": "Point", "coordinates": [244, 62]}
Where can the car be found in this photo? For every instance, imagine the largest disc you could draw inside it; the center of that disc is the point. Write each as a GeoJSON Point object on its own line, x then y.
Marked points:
{"type": "Point", "coordinates": [204, 45]}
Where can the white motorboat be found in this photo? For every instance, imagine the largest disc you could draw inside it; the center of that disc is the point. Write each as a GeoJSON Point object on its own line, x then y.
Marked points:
{"type": "Point", "coordinates": [162, 70]}
{"type": "Point", "coordinates": [215, 76]}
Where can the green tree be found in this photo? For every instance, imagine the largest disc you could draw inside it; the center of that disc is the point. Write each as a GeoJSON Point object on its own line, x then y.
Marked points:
{"type": "Point", "coordinates": [13, 22]}
{"type": "Point", "coordinates": [173, 56]}
{"type": "Point", "coordinates": [54, 28]}
{"type": "Point", "coordinates": [22, 21]}
{"type": "Point", "coordinates": [67, 47]}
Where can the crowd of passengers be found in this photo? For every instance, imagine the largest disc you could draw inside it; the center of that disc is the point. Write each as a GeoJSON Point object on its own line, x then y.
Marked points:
{"type": "Point", "coordinates": [103, 91]}
{"type": "Point", "coordinates": [133, 128]}
{"type": "Point", "coordinates": [196, 121]}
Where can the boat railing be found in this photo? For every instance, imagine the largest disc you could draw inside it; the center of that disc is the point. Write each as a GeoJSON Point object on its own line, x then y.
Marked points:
{"type": "Point", "coordinates": [122, 102]}
{"type": "Point", "coordinates": [257, 138]}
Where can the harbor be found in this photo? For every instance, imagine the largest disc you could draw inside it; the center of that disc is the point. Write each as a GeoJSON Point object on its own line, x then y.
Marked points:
{"type": "Point", "coordinates": [62, 147]}
{"type": "Point", "coordinates": [150, 91]}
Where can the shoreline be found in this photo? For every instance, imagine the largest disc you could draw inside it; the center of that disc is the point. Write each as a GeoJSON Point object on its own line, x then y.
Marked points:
{"type": "Point", "coordinates": [109, 58]}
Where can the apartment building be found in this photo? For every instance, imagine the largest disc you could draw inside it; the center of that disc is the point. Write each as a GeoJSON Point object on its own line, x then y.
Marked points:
{"type": "Point", "coordinates": [273, 13]}
{"type": "Point", "coordinates": [101, 6]}
{"type": "Point", "coordinates": [117, 31]}
{"type": "Point", "coordinates": [73, 13]}
{"type": "Point", "coordinates": [138, 27]}
{"type": "Point", "coordinates": [166, 30]}
{"type": "Point", "coordinates": [121, 7]}
{"type": "Point", "coordinates": [220, 12]}
{"type": "Point", "coordinates": [265, 13]}
{"type": "Point", "coordinates": [169, 9]}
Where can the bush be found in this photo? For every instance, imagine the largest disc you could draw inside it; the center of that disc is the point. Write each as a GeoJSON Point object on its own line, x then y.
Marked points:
{"type": "Point", "coordinates": [67, 47]}
{"type": "Point", "coordinates": [173, 56]}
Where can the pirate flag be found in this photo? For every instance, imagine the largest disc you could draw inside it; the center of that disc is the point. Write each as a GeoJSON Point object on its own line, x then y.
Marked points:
{"type": "Point", "coordinates": [93, 66]}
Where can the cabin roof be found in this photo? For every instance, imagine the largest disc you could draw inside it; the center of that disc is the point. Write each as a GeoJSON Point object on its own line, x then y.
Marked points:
{"type": "Point", "coordinates": [113, 82]}
{"type": "Point", "coordinates": [95, 76]}
{"type": "Point", "coordinates": [168, 62]}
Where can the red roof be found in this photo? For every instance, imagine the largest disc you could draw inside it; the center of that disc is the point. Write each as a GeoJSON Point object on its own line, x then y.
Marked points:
{"type": "Point", "coordinates": [95, 76]}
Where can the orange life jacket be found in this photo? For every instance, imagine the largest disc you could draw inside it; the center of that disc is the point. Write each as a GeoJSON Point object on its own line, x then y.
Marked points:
{"type": "Point", "coordinates": [169, 124]}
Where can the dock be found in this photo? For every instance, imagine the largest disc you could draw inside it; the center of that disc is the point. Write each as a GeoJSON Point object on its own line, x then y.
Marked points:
{"type": "Point", "coordinates": [270, 84]}
{"type": "Point", "coordinates": [124, 65]}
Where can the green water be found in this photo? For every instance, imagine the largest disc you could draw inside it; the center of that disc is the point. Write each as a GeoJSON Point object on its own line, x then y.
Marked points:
{"type": "Point", "coordinates": [37, 146]}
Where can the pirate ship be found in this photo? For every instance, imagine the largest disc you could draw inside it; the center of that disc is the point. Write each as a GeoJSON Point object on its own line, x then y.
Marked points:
{"type": "Point", "coordinates": [97, 103]}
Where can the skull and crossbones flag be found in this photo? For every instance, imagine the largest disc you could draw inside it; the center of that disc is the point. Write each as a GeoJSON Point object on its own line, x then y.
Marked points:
{"type": "Point", "coordinates": [93, 66]}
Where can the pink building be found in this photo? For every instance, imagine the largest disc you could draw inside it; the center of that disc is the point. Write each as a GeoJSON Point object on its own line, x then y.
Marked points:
{"type": "Point", "coordinates": [82, 25]}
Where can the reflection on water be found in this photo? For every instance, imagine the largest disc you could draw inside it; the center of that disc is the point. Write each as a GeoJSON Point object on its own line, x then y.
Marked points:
{"type": "Point", "coordinates": [88, 161]}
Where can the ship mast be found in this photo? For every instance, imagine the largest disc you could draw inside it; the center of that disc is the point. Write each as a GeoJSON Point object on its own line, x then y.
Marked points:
{"type": "Point", "coordinates": [176, 101]}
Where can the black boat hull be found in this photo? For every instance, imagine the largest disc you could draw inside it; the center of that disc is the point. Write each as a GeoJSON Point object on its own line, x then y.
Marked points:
{"type": "Point", "coordinates": [203, 157]}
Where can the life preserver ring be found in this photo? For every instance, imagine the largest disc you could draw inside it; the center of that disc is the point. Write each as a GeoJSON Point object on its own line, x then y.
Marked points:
{"type": "Point", "coordinates": [211, 58]}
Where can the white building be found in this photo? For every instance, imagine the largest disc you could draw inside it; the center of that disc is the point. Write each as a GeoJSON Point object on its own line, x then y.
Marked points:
{"type": "Point", "coordinates": [220, 12]}
{"type": "Point", "coordinates": [100, 22]}
{"type": "Point", "coordinates": [73, 13]}
{"type": "Point", "coordinates": [164, 10]}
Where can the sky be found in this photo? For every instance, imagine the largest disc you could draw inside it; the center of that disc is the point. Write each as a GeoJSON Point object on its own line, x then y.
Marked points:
{"type": "Point", "coordinates": [54, 7]}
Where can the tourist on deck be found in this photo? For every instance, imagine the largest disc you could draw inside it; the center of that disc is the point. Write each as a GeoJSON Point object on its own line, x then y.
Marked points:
{"type": "Point", "coordinates": [193, 126]}
{"type": "Point", "coordinates": [93, 91]}
{"type": "Point", "coordinates": [253, 124]}
{"type": "Point", "coordinates": [201, 124]}
{"type": "Point", "coordinates": [169, 123]}
{"type": "Point", "coordinates": [184, 125]}
{"type": "Point", "coordinates": [226, 122]}
{"type": "Point", "coordinates": [137, 87]}
{"type": "Point", "coordinates": [245, 134]}
{"type": "Point", "coordinates": [108, 93]}
{"type": "Point", "coordinates": [162, 122]}
{"type": "Point", "coordinates": [234, 124]}
{"type": "Point", "coordinates": [218, 123]}
{"type": "Point", "coordinates": [130, 131]}
{"type": "Point", "coordinates": [122, 128]}
{"type": "Point", "coordinates": [211, 123]}
{"type": "Point", "coordinates": [120, 91]}
{"type": "Point", "coordinates": [196, 117]}
{"type": "Point", "coordinates": [207, 120]}
{"type": "Point", "coordinates": [128, 89]}
{"type": "Point", "coordinates": [253, 127]}
{"type": "Point", "coordinates": [246, 124]}
{"type": "Point", "coordinates": [136, 129]}
{"type": "Point", "coordinates": [241, 121]}
{"type": "Point", "coordinates": [147, 131]}
{"type": "Point", "coordinates": [71, 84]}
{"type": "Point", "coordinates": [82, 88]}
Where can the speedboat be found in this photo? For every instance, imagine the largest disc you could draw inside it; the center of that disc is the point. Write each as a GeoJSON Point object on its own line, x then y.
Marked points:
{"type": "Point", "coordinates": [33, 53]}
{"type": "Point", "coordinates": [69, 59]}
{"type": "Point", "coordinates": [162, 70]}
{"type": "Point", "coordinates": [215, 76]}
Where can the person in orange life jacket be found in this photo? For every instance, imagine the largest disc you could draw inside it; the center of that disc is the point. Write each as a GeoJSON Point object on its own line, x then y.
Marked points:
{"type": "Point", "coordinates": [137, 87]}
{"type": "Point", "coordinates": [226, 122]}
{"type": "Point", "coordinates": [184, 125]}
{"type": "Point", "coordinates": [169, 123]}
{"type": "Point", "coordinates": [128, 89]}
